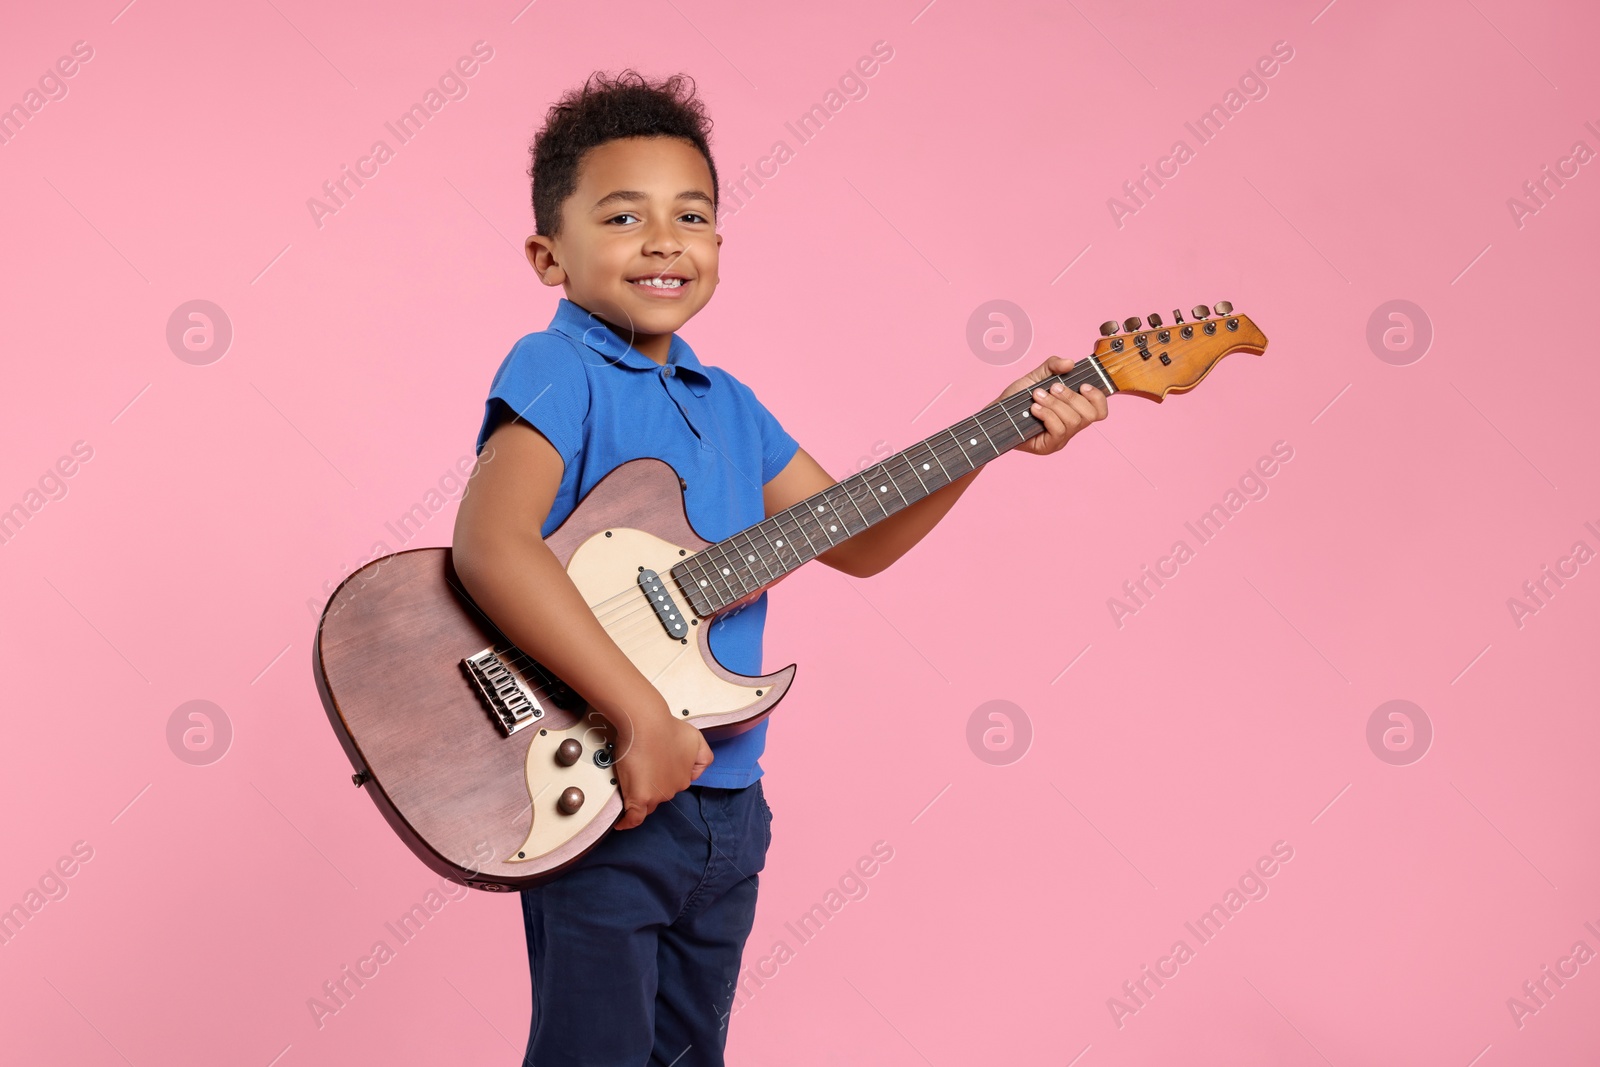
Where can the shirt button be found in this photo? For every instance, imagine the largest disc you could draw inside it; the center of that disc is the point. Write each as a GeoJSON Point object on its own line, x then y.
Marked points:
{"type": "Point", "coordinates": [667, 371]}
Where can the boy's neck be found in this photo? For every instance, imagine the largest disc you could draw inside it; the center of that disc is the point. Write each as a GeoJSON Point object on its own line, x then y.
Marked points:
{"type": "Point", "coordinates": [656, 346]}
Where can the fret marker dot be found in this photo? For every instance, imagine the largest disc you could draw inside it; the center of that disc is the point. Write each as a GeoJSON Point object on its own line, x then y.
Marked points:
{"type": "Point", "coordinates": [833, 529]}
{"type": "Point", "coordinates": [780, 544]}
{"type": "Point", "coordinates": [973, 441]}
{"type": "Point", "coordinates": [726, 571]}
{"type": "Point", "coordinates": [883, 488]}
{"type": "Point", "coordinates": [749, 559]}
{"type": "Point", "coordinates": [702, 583]}
{"type": "Point", "coordinates": [924, 466]}
{"type": "Point", "coordinates": [820, 509]}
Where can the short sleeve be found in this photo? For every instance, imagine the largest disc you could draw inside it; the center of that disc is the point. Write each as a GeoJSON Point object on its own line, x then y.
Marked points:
{"type": "Point", "coordinates": [777, 447]}
{"type": "Point", "coordinates": [541, 381]}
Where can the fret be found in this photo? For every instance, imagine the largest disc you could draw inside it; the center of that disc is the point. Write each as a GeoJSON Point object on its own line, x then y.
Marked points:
{"type": "Point", "coordinates": [696, 571]}
{"type": "Point", "coordinates": [852, 498]}
{"type": "Point", "coordinates": [783, 541]}
{"type": "Point", "coordinates": [935, 453]}
{"type": "Point", "coordinates": [822, 526]}
{"type": "Point", "coordinates": [1000, 431]}
{"type": "Point", "coordinates": [913, 467]}
{"type": "Point", "coordinates": [831, 515]}
{"type": "Point", "coordinates": [885, 469]}
{"type": "Point", "coordinates": [986, 436]}
{"type": "Point", "coordinates": [801, 524]}
{"type": "Point", "coordinates": [952, 432]}
{"type": "Point", "coordinates": [880, 490]}
{"type": "Point", "coordinates": [709, 578]}
{"type": "Point", "coordinates": [1014, 425]}
{"type": "Point", "coordinates": [761, 528]}
{"type": "Point", "coordinates": [872, 492]}
{"type": "Point", "coordinates": [723, 563]}
{"type": "Point", "coordinates": [829, 528]}
{"type": "Point", "coordinates": [754, 554]}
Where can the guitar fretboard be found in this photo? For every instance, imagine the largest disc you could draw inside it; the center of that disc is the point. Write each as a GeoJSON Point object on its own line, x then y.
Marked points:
{"type": "Point", "coordinates": [738, 567]}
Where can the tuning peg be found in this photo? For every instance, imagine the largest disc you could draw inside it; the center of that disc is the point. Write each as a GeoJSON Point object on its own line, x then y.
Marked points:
{"type": "Point", "coordinates": [1155, 321]}
{"type": "Point", "coordinates": [1222, 307]}
{"type": "Point", "coordinates": [1177, 316]}
{"type": "Point", "coordinates": [1131, 325]}
{"type": "Point", "coordinates": [1200, 311]}
{"type": "Point", "coordinates": [1108, 328]}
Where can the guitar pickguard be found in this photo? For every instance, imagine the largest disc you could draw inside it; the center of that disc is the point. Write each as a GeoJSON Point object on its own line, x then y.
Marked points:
{"type": "Point", "coordinates": [548, 781]}
{"type": "Point", "coordinates": [606, 568]}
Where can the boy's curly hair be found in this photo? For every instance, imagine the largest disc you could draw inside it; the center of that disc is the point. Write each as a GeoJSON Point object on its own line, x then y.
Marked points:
{"type": "Point", "coordinates": [608, 108]}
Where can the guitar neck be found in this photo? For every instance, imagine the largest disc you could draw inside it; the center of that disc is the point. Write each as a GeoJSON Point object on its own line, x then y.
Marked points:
{"type": "Point", "coordinates": [740, 566]}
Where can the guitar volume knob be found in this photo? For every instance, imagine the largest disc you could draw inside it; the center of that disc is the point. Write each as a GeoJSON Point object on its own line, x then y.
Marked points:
{"type": "Point", "coordinates": [569, 751]}
{"type": "Point", "coordinates": [571, 800]}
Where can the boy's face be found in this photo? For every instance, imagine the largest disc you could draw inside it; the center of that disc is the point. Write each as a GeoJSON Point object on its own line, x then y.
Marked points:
{"type": "Point", "coordinates": [641, 216]}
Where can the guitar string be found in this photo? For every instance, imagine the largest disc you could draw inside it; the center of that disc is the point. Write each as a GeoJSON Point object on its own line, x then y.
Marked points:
{"type": "Point", "coordinates": [941, 451]}
{"type": "Point", "coordinates": [612, 614]}
{"type": "Point", "coordinates": [627, 620]}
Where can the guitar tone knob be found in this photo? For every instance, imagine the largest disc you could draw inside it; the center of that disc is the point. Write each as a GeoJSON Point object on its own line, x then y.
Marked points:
{"type": "Point", "coordinates": [1131, 325]}
{"type": "Point", "coordinates": [1200, 311]}
{"type": "Point", "coordinates": [1108, 328]}
{"type": "Point", "coordinates": [1154, 321]}
{"type": "Point", "coordinates": [1222, 307]}
{"type": "Point", "coordinates": [571, 800]}
{"type": "Point", "coordinates": [568, 752]}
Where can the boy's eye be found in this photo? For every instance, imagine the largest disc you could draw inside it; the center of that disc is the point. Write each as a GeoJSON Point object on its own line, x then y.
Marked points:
{"type": "Point", "coordinates": [694, 217]}
{"type": "Point", "coordinates": [624, 215]}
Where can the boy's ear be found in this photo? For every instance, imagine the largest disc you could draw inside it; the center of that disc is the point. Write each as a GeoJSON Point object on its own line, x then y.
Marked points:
{"type": "Point", "coordinates": [541, 254]}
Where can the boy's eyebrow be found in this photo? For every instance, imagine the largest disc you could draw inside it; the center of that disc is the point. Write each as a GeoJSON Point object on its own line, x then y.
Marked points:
{"type": "Point", "coordinates": [634, 196]}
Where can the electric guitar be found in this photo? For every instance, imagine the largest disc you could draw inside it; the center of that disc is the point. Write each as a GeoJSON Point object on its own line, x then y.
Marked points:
{"type": "Point", "coordinates": [490, 769]}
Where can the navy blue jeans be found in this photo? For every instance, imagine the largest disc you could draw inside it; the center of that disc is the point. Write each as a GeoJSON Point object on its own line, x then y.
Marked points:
{"type": "Point", "coordinates": [635, 950]}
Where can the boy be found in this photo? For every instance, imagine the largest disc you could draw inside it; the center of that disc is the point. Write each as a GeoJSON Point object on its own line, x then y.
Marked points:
{"type": "Point", "coordinates": [634, 951]}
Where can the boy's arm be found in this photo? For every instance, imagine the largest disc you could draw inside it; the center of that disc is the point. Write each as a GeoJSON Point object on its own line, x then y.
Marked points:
{"type": "Point", "coordinates": [1063, 413]}
{"type": "Point", "coordinates": [513, 576]}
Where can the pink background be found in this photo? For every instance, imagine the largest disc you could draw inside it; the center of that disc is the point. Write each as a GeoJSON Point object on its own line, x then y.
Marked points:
{"type": "Point", "coordinates": [188, 557]}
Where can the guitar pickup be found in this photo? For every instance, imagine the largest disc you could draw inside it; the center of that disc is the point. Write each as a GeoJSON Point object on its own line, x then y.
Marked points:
{"type": "Point", "coordinates": [666, 608]}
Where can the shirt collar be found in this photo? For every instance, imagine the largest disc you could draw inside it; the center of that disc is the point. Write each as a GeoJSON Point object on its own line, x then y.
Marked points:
{"type": "Point", "coordinates": [589, 331]}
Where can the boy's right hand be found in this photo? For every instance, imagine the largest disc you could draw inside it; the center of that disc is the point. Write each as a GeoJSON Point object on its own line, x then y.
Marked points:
{"type": "Point", "coordinates": [661, 756]}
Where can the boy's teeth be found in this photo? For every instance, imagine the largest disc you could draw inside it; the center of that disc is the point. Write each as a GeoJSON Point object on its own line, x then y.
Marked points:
{"type": "Point", "coordinates": [660, 283]}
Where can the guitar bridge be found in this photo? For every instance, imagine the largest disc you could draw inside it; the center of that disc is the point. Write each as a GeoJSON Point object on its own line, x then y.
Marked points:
{"type": "Point", "coordinates": [505, 687]}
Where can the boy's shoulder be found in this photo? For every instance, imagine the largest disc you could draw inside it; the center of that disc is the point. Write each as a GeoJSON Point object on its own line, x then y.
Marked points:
{"type": "Point", "coordinates": [546, 357]}
{"type": "Point", "coordinates": [546, 344]}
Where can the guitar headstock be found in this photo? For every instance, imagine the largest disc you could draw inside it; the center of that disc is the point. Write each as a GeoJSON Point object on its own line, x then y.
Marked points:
{"type": "Point", "coordinates": [1151, 358]}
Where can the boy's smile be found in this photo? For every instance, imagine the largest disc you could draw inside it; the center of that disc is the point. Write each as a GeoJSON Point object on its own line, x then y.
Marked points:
{"type": "Point", "coordinates": [638, 244]}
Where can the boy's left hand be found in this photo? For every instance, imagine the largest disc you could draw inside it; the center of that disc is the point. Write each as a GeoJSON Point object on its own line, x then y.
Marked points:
{"type": "Point", "coordinates": [1063, 413]}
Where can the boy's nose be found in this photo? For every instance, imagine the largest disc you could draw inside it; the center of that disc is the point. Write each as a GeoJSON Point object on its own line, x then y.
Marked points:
{"type": "Point", "coordinates": [660, 237]}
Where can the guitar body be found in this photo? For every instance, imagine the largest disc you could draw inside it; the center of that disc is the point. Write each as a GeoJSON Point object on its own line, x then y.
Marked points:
{"type": "Point", "coordinates": [458, 736]}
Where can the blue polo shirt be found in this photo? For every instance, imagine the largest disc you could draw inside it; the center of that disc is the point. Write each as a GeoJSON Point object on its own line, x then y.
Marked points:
{"type": "Point", "coordinates": [601, 403]}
